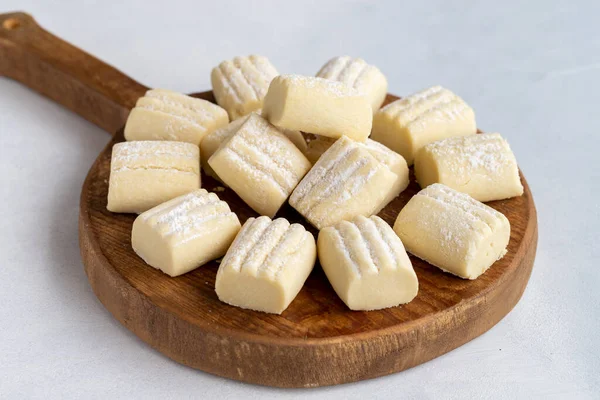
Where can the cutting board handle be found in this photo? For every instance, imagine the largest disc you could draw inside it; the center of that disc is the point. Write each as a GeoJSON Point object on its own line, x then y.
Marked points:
{"type": "Point", "coordinates": [71, 77]}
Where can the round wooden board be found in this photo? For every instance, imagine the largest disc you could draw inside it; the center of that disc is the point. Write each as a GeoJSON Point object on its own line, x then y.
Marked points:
{"type": "Point", "coordinates": [317, 341]}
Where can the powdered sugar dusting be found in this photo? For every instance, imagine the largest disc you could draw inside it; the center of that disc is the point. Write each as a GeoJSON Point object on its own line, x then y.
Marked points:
{"type": "Point", "coordinates": [263, 66]}
{"type": "Point", "coordinates": [364, 246]}
{"type": "Point", "coordinates": [346, 251]}
{"type": "Point", "coordinates": [279, 168]}
{"type": "Point", "coordinates": [264, 247]}
{"type": "Point", "coordinates": [197, 205]}
{"type": "Point", "coordinates": [256, 73]}
{"type": "Point", "coordinates": [271, 151]}
{"type": "Point", "coordinates": [125, 158]}
{"type": "Point", "coordinates": [322, 169]}
{"type": "Point", "coordinates": [423, 97]}
{"type": "Point", "coordinates": [335, 181]}
{"type": "Point", "coordinates": [250, 234]}
{"type": "Point", "coordinates": [169, 205]}
{"type": "Point", "coordinates": [221, 134]}
{"type": "Point", "coordinates": [421, 105]}
{"type": "Point", "coordinates": [353, 182]}
{"type": "Point", "coordinates": [414, 106]}
{"type": "Point", "coordinates": [155, 155]}
{"type": "Point", "coordinates": [365, 78]}
{"type": "Point", "coordinates": [200, 111]}
{"type": "Point", "coordinates": [333, 68]}
{"type": "Point", "coordinates": [226, 81]}
{"type": "Point", "coordinates": [445, 112]}
{"type": "Point", "coordinates": [256, 260]}
{"type": "Point", "coordinates": [129, 150]}
{"type": "Point", "coordinates": [355, 73]}
{"type": "Point", "coordinates": [453, 227]}
{"type": "Point", "coordinates": [352, 71]}
{"type": "Point", "coordinates": [186, 216]}
{"type": "Point", "coordinates": [473, 211]}
{"type": "Point", "coordinates": [206, 231]}
{"type": "Point", "coordinates": [176, 116]}
{"type": "Point", "coordinates": [489, 152]}
{"type": "Point", "coordinates": [191, 227]}
{"type": "Point", "coordinates": [252, 170]}
{"type": "Point", "coordinates": [459, 224]}
{"type": "Point", "coordinates": [247, 79]}
{"type": "Point", "coordinates": [387, 237]}
{"type": "Point", "coordinates": [332, 88]}
{"type": "Point", "coordinates": [436, 104]}
{"type": "Point", "coordinates": [297, 237]}
{"type": "Point", "coordinates": [382, 153]}
{"type": "Point", "coordinates": [239, 78]}
{"type": "Point", "coordinates": [182, 100]}
{"type": "Point", "coordinates": [241, 84]}
{"type": "Point", "coordinates": [150, 168]}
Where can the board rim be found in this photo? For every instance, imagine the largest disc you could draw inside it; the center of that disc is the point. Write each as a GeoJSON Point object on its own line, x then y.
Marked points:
{"type": "Point", "coordinates": [90, 247]}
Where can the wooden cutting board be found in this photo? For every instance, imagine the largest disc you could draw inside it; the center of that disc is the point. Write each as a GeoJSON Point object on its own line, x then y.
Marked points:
{"type": "Point", "coordinates": [317, 341]}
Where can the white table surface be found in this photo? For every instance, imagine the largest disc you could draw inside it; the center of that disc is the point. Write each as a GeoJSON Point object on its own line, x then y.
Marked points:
{"type": "Point", "coordinates": [530, 69]}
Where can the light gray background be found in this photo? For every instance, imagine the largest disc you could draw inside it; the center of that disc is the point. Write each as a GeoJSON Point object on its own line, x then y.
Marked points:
{"type": "Point", "coordinates": [530, 69]}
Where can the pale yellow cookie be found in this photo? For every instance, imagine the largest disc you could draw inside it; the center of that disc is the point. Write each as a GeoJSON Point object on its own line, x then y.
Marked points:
{"type": "Point", "coordinates": [166, 115]}
{"type": "Point", "coordinates": [346, 181]}
{"type": "Point", "coordinates": [240, 85]}
{"type": "Point", "coordinates": [453, 231]}
{"type": "Point", "coordinates": [266, 266]}
{"type": "Point", "coordinates": [356, 73]}
{"type": "Point", "coordinates": [260, 164]}
{"type": "Point", "coordinates": [392, 160]}
{"type": "Point", "coordinates": [146, 173]}
{"type": "Point", "coordinates": [366, 264]}
{"type": "Point", "coordinates": [482, 166]}
{"type": "Point", "coordinates": [410, 123]}
{"type": "Point", "coordinates": [212, 141]}
{"type": "Point", "coordinates": [319, 106]}
{"type": "Point", "coordinates": [184, 233]}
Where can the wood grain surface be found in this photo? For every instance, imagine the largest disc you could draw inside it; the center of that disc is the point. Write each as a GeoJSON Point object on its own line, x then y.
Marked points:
{"type": "Point", "coordinates": [317, 341]}
{"type": "Point", "coordinates": [71, 77]}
